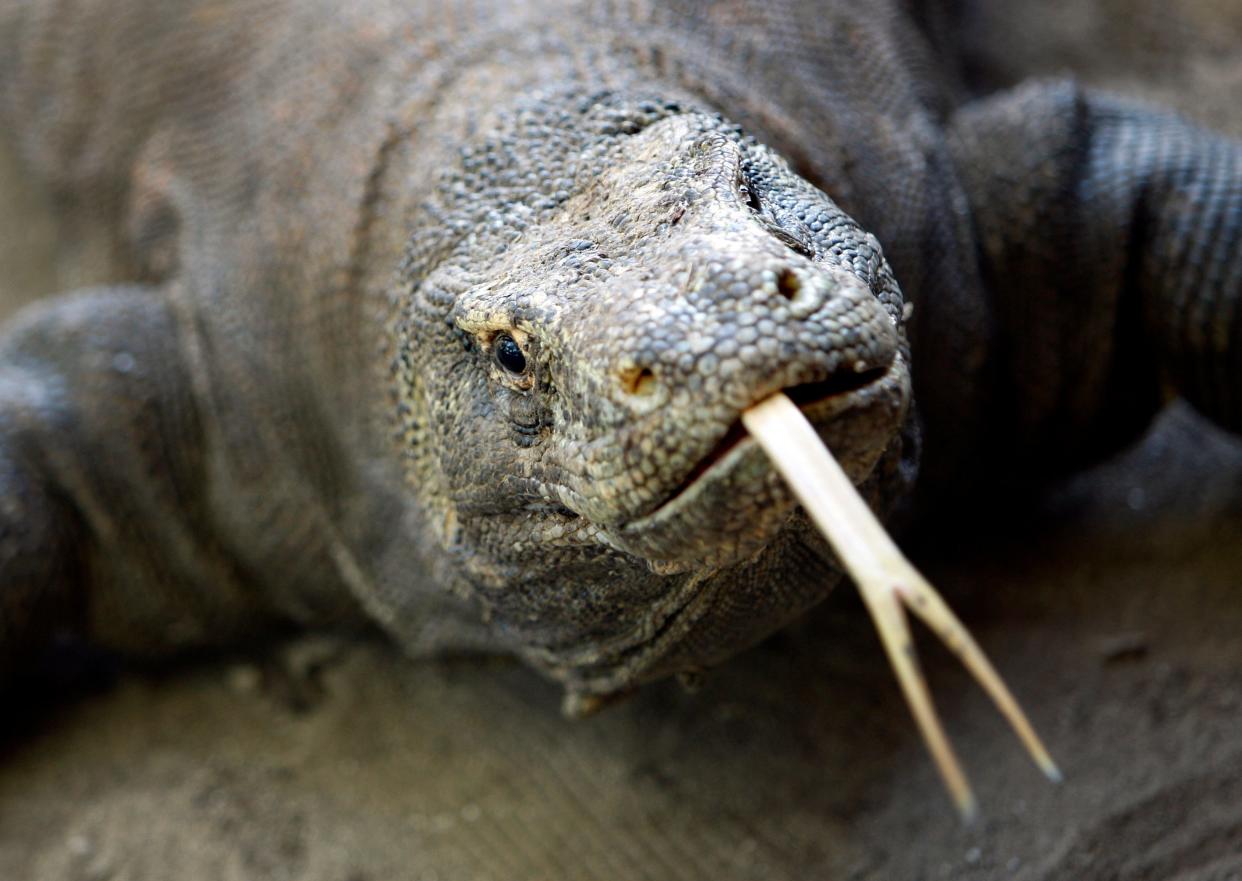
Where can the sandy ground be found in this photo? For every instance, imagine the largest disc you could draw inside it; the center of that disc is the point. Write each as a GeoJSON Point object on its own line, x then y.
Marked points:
{"type": "Point", "coordinates": [1114, 609]}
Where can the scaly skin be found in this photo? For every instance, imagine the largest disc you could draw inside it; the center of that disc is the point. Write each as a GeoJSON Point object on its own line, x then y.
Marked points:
{"type": "Point", "coordinates": [450, 314]}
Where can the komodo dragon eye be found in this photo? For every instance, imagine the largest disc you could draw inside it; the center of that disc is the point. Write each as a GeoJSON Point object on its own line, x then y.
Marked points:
{"type": "Point", "coordinates": [750, 197]}
{"type": "Point", "coordinates": [509, 354]}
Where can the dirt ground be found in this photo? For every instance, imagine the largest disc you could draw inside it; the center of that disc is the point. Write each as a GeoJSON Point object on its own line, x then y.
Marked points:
{"type": "Point", "coordinates": [1113, 608]}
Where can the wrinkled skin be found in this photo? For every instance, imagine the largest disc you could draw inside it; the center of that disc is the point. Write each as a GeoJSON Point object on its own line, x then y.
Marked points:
{"type": "Point", "coordinates": [680, 273]}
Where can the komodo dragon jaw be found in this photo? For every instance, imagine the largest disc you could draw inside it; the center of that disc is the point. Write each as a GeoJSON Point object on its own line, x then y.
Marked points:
{"type": "Point", "coordinates": [583, 456]}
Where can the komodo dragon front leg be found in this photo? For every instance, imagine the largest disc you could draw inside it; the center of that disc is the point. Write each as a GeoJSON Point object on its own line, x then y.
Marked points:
{"type": "Point", "coordinates": [102, 522]}
{"type": "Point", "coordinates": [1111, 243]}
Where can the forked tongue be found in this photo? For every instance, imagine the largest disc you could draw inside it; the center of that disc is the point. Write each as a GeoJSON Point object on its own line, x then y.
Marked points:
{"type": "Point", "coordinates": [888, 584]}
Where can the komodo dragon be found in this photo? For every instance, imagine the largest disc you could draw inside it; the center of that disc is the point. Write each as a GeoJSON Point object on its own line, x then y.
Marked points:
{"type": "Point", "coordinates": [443, 315]}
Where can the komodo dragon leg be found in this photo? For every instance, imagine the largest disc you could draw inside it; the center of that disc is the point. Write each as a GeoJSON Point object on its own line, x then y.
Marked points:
{"type": "Point", "coordinates": [1111, 243]}
{"type": "Point", "coordinates": [101, 521]}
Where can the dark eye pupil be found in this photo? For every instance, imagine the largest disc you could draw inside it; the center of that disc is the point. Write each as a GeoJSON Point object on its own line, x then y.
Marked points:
{"type": "Point", "coordinates": [752, 199]}
{"type": "Point", "coordinates": [509, 354]}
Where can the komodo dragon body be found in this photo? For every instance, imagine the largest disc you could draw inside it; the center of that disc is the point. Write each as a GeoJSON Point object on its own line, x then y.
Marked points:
{"type": "Point", "coordinates": [442, 315]}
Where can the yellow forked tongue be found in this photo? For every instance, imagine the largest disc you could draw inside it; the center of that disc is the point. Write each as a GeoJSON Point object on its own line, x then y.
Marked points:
{"type": "Point", "coordinates": [887, 582]}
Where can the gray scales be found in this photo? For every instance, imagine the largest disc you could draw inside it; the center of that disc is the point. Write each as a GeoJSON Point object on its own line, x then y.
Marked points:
{"type": "Point", "coordinates": [443, 319]}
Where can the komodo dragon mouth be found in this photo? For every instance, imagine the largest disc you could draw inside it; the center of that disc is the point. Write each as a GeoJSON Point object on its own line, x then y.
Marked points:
{"type": "Point", "coordinates": [809, 397]}
{"type": "Point", "coordinates": [701, 523]}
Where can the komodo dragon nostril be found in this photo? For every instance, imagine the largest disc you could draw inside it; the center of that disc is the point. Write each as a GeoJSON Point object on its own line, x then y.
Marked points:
{"type": "Point", "coordinates": [788, 285]}
{"type": "Point", "coordinates": [804, 291]}
{"type": "Point", "coordinates": [637, 380]}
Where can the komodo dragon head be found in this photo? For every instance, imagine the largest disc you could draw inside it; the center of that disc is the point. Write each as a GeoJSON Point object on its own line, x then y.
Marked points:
{"type": "Point", "coordinates": [605, 284]}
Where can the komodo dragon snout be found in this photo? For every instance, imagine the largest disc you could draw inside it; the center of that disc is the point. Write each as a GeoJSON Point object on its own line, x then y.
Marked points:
{"type": "Point", "coordinates": [610, 308]}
